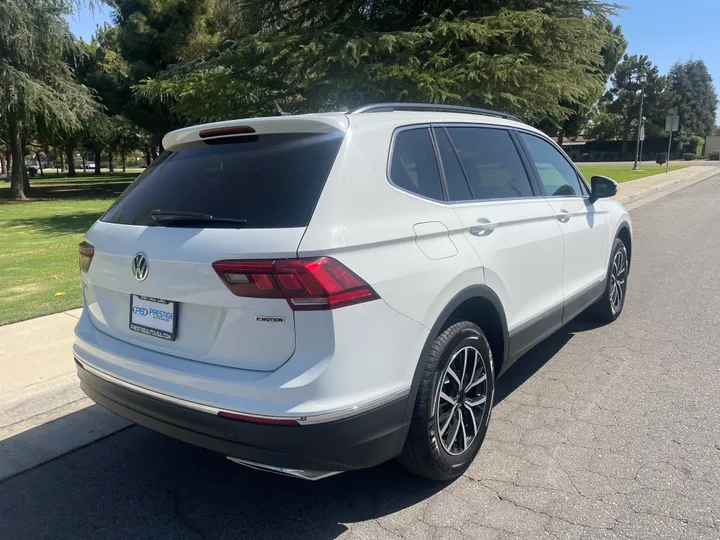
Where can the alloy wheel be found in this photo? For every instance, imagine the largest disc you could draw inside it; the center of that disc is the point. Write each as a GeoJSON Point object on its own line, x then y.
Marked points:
{"type": "Point", "coordinates": [461, 400]}
{"type": "Point", "coordinates": [618, 276]}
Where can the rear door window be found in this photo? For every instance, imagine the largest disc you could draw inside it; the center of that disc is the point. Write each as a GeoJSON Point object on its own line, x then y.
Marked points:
{"type": "Point", "coordinates": [491, 163]}
{"type": "Point", "coordinates": [270, 180]}
{"type": "Point", "coordinates": [413, 165]}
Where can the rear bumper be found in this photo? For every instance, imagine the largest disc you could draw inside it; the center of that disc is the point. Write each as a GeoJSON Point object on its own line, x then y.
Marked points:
{"type": "Point", "coordinates": [357, 442]}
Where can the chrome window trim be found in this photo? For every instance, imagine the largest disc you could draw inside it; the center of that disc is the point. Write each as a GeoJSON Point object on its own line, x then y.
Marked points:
{"type": "Point", "coordinates": [302, 420]}
{"type": "Point", "coordinates": [430, 126]}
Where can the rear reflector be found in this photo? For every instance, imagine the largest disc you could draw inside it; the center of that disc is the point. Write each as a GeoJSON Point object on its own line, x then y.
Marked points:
{"type": "Point", "coordinates": [307, 284]}
{"type": "Point", "coordinates": [258, 419]}
{"type": "Point", "coordinates": [85, 255]}
{"type": "Point", "coordinates": [222, 132]}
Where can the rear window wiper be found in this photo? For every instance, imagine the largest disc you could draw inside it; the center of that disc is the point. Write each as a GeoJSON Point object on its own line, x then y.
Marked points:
{"type": "Point", "coordinates": [165, 216]}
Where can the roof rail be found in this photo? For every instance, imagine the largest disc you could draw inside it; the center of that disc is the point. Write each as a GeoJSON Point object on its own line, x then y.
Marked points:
{"type": "Point", "coordinates": [433, 107]}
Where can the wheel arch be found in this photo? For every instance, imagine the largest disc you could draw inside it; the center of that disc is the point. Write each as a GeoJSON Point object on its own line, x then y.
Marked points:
{"type": "Point", "coordinates": [478, 304]}
{"type": "Point", "coordinates": [624, 234]}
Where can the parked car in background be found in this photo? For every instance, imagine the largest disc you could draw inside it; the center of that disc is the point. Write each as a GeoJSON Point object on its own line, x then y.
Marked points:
{"type": "Point", "coordinates": [319, 293]}
{"type": "Point", "coordinates": [31, 169]}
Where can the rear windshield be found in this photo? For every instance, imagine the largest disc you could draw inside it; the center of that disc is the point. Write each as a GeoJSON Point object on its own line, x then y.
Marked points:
{"type": "Point", "coordinates": [272, 181]}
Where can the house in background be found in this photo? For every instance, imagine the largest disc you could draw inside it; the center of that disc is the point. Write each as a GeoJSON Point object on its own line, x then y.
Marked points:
{"type": "Point", "coordinates": [575, 148]}
{"type": "Point", "coordinates": [711, 143]}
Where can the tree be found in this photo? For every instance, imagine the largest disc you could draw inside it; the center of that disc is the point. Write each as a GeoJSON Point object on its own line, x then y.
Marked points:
{"type": "Point", "coordinates": [152, 34]}
{"type": "Point", "coordinates": [124, 136]}
{"type": "Point", "coordinates": [582, 113]}
{"type": "Point", "coordinates": [37, 82]}
{"type": "Point", "coordinates": [533, 58]}
{"type": "Point", "coordinates": [606, 126]}
{"type": "Point", "coordinates": [621, 104]}
{"type": "Point", "coordinates": [697, 100]}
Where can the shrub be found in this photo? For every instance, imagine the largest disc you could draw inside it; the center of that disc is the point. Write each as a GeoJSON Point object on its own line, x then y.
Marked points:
{"type": "Point", "coordinates": [688, 156]}
{"type": "Point", "coordinates": [693, 144]}
{"type": "Point", "coordinates": [714, 155]}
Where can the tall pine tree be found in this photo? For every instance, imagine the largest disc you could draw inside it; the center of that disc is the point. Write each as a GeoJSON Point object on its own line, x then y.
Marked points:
{"type": "Point", "coordinates": [534, 58]}
{"type": "Point", "coordinates": [697, 99]}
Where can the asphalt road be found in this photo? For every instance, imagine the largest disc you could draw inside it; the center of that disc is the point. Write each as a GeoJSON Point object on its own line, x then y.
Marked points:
{"type": "Point", "coordinates": [600, 432]}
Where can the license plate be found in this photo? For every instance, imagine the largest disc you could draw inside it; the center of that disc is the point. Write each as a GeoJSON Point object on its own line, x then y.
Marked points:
{"type": "Point", "coordinates": [153, 316]}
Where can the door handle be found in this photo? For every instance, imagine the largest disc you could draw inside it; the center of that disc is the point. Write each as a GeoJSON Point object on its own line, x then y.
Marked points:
{"type": "Point", "coordinates": [483, 228]}
{"type": "Point", "coordinates": [563, 216]}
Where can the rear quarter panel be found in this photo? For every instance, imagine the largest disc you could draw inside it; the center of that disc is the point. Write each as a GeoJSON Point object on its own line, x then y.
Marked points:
{"type": "Point", "coordinates": [370, 226]}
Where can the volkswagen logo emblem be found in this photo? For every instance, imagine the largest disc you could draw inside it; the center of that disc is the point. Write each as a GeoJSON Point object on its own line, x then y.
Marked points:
{"type": "Point", "coordinates": [140, 266]}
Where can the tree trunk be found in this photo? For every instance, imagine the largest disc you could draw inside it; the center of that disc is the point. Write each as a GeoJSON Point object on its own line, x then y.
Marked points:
{"type": "Point", "coordinates": [8, 160]}
{"type": "Point", "coordinates": [84, 163]}
{"type": "Point", "coordinates": [70, 154]}
{"type": "Point", "coordinates": [561, 137]}
{"type": "Point", "coordinates": [98, 157]}
{"type": "Point", "coordinates": [25, 178]}
{"type": "Point", "coordinates": [37, 156]}
{"type": "Point", "coordinates": [62, 162]}
{"type": "Point", "coordinates": [2, 164]}
{"type": "Point", "coordinates": [122, 157]}
{"type": "Point", "coordinates": [17, 184]}
{"type": "Point", "coordinates": [154, 152]}
{"type": "Point", "coordinates": [626, 135]}
{"type": "Point", "coordinates": [110, 162]}
{"type": "Point", "coordinates": [148, 161]}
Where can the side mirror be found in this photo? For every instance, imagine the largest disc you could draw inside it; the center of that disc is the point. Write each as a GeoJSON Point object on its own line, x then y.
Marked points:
{"type": "Point", "coordinates": [601, 187]}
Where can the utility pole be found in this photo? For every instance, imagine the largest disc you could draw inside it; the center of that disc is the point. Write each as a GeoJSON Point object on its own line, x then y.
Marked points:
{"type": "Point", "coordinates": [672, 123]}
{"type": "Point", "coordinates": [642, 79]}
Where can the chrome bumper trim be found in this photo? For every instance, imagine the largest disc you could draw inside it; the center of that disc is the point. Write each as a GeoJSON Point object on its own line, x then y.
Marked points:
{"type": "Point", "coordinates": [295, 473]}
{"type": "Point", "coordinates": [303, 420]}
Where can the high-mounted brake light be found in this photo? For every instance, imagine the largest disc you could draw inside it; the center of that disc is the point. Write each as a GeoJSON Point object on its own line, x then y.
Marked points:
{"type": "Point", "coordinates": [307, 284]}
{"type": "Point", "coordinates": [85, 255]}
{"type": "Point", "coordinates": [221, 132]}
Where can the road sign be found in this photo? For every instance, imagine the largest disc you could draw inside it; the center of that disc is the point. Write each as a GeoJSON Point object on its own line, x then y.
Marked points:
{"type": "Point", "coordinates": [642, 132]}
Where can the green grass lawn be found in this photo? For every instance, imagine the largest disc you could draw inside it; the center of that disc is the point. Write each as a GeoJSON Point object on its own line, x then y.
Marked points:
{"type": "Point", "coordinates": [39, 238]}
{"type": "Point", "coordinates": [623, 173]}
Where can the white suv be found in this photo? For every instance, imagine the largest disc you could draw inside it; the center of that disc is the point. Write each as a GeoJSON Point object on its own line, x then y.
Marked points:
{"type": "Point", "coordinates": [320, 293]}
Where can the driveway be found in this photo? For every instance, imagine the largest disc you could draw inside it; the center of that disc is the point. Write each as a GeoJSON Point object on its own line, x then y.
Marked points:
{"type": "Point", "coordinates": [600, 432]}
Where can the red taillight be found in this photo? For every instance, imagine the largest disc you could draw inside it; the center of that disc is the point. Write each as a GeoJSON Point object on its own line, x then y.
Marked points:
{"type": "Point", "coordinates": [85, 255]}
{"type": "Point", "coordinates": [258, 419]}
{"type": "Point", "coordinates": [307, 284]}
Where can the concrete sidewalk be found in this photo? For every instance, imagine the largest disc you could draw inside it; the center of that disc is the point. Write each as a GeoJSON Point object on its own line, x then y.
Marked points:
{"type": "Point", "coordinates": [43, 412]}
{"type": "Point", "coordinates": [638, 192]}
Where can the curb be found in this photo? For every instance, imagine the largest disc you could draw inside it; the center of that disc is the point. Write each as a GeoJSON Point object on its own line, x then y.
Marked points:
{"type": "Point", "coordinates": [685, 182]}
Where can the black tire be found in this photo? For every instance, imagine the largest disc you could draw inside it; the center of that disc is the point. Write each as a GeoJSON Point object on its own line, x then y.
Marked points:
{"type": "Point", "coordinates": [425, 452]}
{"type": "Point", "coordinates": [608, 308]}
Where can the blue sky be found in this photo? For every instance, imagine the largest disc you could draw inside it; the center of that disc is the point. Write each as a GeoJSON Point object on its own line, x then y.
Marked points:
{"type": "Point", "coordinates": [665, 30]}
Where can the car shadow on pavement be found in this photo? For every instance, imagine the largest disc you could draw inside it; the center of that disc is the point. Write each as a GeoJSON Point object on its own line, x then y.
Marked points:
{"type": "Point", "coordinates": [540, 355]}
{"type": "Point", "coordinates": [140, 484]}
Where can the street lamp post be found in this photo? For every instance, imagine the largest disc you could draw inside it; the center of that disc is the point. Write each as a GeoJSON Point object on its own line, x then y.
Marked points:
{"type": "Point", "coordinates": [642, 79]}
